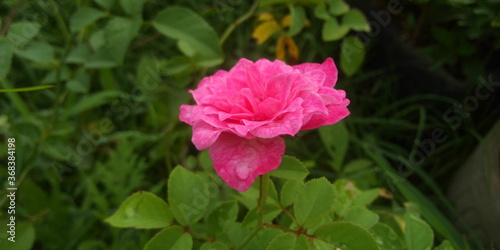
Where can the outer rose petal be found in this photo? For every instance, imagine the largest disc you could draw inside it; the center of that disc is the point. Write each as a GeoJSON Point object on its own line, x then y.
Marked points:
{"type": "Point", "coordinates": [204, 135]}
{"type": "Point", "coordinates": [336, 112]}
{"type": "Point", "coordinates": [328, 66]}
{"type": "Point", "coordinates": [185, 114]}
{"type": "Point", "coordinates": [238, 161]}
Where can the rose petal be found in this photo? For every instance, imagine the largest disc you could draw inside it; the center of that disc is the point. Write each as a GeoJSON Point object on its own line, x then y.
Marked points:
{"type": "Point", "coordinates": [269, 108]}
{"type": "Point", "coordinates": [219, 78]}
{"type": "Point", "coordinates": [313, 103]}
{"type": "Point", "coordinates": [240, 130]}
{"type": "Point", "coordinates": [204, 135]}
{"type": "Point", "coordinates": [249, 100]}
{"type": "Point", "coordinates": [238, 161]}
{"type": "Point", "coordinates": [280, 86]}
{"type": "Point", "coordinates": [207, 86]}
{"type": "Point", "coordinates": [336, 112]}
{"type": "Point", "coordinates": [223, 116]}
{"type": "Point", "coordinates": [315, 77]}
{"type": "Point", "coordinates": [328, 66]}
{"type": "Point", "coordinates": [287, 123]}
{"type": "Point", "coordinates": [246, 75]}
{"type": "Point", "coordinates": [185, 114]}
{"type": "Point", "coordinates": [268, 69]}
{"type": "Point", "coordinates": [190, 113]}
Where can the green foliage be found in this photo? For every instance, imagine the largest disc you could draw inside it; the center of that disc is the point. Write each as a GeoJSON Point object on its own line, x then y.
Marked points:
{"type": "Point", "coordinates": [323, 215]}
{"type": "Point", "coordinates": [333, 31]}
{"type": "Point", "coordinates": [458, 49]}
{"type": "Point", "coordinates": [188, 196]}
{"type": "Point", "coordinates": [116, 37]}
{"type": "Point", "coordinates": [386, 236]}
{"type": "Point", "coordinates": [298, 19]}
{"type": "Point", "coordinates": [25, 237]}
{"type": "Point", "coordinates": [361, 216]}
{"type": "Point", "coordinates": [336, 141]}
{"type": "Point", "coordinates": [38, 52]}
{"type": "Point", "coordinates": [338, 7]}
{"type": "Point", "coordinates": [419, 234]}
{"type": "Point", "coordinates": [290, 168]}
{"type": "Point", "coordinates": [446, 245]}
{"type": "Point", "coordinates": [92, 102]}
{"type": "Point", "coordinates": [355, 20]}
{"type": "Point", "coordinates": [289, 192]}
{"type": "Point", "coordinates": [21, 33]}
{"type": "Point", "coordinates": [352, 55]}
{"type": "Point", "coordinates": [221, 217]}
{"type": "Point", "coordinates": [6, 54]}
{"type": "Point", "coordinates": [428, 210]}
{"type": "Point", "coordinates": [346, 235]}
{"type": "Point", "coordinates": [339, 20]}
{"type": "Point", "coordinates": [132, 7]}
{"type": "Point", "coordinates": [84, 17]}
{"type": "Point", "coordinates": [196, 39]}
{"type": "Point", "coordinates": [313, 201]}
{"type": "Point", "coordinates": [172, 237]}
{"type": "Point", "coordinates": [288, 241]}
{"type": "Point", "coordinates": [142, 210]}
{"type": "Point", "coordinates": [91, 91]}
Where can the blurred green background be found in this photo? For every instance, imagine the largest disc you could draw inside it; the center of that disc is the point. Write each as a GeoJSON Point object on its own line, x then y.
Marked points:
{"type": "Point", "coordinates": [90, 90]}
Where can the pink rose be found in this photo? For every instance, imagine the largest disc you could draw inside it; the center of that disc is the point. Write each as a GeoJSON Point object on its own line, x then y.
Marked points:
{"type": "Point", "coordinates": [242, 114]}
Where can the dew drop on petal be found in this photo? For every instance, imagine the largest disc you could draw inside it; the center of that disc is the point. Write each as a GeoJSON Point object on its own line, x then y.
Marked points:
{"type": "Point", "coordinates": [243, 171]}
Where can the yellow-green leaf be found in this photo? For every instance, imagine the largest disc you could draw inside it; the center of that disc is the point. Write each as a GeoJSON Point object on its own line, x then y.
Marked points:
{"type": "Point", "coordinates": [287, 46]}
{"type": "Point", "coordinates": [265, 30]}
{"type": "Point", "coordinates": [338, 7]}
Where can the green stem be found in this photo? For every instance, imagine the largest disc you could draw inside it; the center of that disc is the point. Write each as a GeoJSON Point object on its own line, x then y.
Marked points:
{"type": "Point", "coordinates": [286, 229]}
{"type": "Point", "coordinates": [290, 215]}
{"type": "Point", "coordinates": [60, 90]}
{"type": "Point", "coordinates": [263, 188]}
{"type": "Point", "coordinates": [26, 89]}
{"type": "Point", "coordinates": [201, 236]}
{"type": "Point", "coordinates": [239, 21]}
{"type": "Point", "coordinates": [61, 23]}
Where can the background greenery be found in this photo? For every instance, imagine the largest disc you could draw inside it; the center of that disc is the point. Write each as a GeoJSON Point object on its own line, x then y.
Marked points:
{"type": "Point", "coordinates": [91, 91]}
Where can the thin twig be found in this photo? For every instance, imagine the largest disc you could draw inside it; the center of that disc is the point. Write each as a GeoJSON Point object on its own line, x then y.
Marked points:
{"type": "Point", "coordinates": [11, 16]}
{"type": "Point", "coordinates": [239, 21]}
{"type": "Point", "coordinates": [284, 210]}
{"type": "Point", "coordinates": [145, 41]}
{"type": "Point", "coordinates": [263, 187]}
{"type": "Point", "coordinates": [420, 23]}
